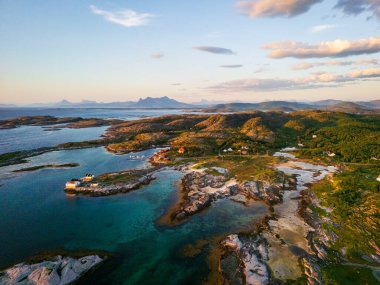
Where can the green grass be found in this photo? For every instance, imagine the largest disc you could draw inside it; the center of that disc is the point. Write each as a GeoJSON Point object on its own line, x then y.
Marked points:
{"type": "Point", "coordinates": [17, 157]}
{"type": "Point", "coordinates": [348, 275]}
{"type": "Point", "coordinates": [244, 168]}
{"type": "Point", "coordinates": [121, 177]}
{"type": "Point", "coordinates": [37, 167]}
{"type": "Point", "coordinates": [355, 203]}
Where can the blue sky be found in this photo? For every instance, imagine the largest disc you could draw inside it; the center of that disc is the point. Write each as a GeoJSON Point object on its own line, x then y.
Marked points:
{"type": "Point", "coordinates": [209, 49]}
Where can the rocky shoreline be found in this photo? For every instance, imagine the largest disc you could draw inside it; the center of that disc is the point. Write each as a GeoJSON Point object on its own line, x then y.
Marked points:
{"type": "Point", "coordinates": [56, 271]}
{"type": "Point", "coordinates": [285, 246]}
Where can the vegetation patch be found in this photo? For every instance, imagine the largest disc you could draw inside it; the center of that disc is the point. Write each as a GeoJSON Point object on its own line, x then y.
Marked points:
{"type": "Point", "coordinates": [348, 275]}
{"type": "Point", "coordinates": [244, 168]}
{"type": "Point", "coordinates": [354, 200]}
{"type": "Point", "coordinates": [38, 167]}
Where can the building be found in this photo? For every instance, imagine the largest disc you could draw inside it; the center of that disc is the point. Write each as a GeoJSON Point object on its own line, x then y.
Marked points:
{"type": "Point", "coordinates": [72, 184]}
{"type": "Point", "coordinates": [378, 178]}
{"type": "Point", "coordinates": [88, 177]}
{"type": "Point", "coordinates": [330, 153]}
{"type": "Point", "coordinates": [314, 136]}
{"type": "Point", "coordinates": [181, 150]}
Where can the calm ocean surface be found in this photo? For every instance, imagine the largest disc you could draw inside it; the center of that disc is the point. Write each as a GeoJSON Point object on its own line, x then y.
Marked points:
{"type": "Point", "coordinates": [31, 137]}
{"type": "Point", "coordinates": [37, 216]}
{"type": "Point", "coordinates": [103, 113]}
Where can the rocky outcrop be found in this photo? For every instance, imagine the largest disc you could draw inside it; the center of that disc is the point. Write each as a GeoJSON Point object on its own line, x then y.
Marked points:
{"type": "Point", "coordinates": [312, 271]}
{"type": "Point", "coordinates": [246, 255]}
{"type": "Point", "coordinates": [264, 192]}
{"type": "Point", "coordinates": [200, 189]}
{"type": "Point", "coordinates": [60, 271]}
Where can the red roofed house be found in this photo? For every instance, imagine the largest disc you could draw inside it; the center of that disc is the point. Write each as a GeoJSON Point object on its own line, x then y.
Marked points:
{"type": "Point", "coordinates": [181, 150]}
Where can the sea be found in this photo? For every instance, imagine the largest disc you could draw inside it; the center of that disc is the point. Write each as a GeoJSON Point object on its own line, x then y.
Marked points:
{"type": "Point", "coordinates": [37, 217]}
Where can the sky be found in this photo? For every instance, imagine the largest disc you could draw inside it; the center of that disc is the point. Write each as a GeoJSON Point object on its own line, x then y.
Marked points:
{"type": "Point", "coordinates": [216, 50]}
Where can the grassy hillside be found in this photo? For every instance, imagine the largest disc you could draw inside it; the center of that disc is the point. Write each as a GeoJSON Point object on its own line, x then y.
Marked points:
{"type": "Point", "coordinates": [353, 138]}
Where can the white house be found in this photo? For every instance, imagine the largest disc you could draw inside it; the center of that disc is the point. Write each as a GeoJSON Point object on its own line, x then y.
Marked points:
{"type": "Point", "coordinates": [378, 178]}
{"type": "Point", "coordinates": [72, 184]}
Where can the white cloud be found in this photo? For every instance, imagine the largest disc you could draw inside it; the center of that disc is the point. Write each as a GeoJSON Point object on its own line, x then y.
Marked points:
{"type": "Point", "coordinates": [309, 65]}
{"type": "Point", "coordinates": [366, 73]}
{"type": "Point", "coordinates": [337, 48]}
{"type": "Point", "coordinates": [321, 28]}
{"type": "Point", "coordinates": [317, 80]}
{"type": "Point", "coordinates": [125, 18]}
{"type": "Point", "coordinates": [276, 8]}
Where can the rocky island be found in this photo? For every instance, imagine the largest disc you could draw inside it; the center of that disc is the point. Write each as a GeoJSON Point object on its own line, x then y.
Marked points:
{"type": "Point", "coordinates": [111, 183]}
{"type": "Point", "coordinates": [200, 188]}
{"type": "Point", "coordinates": [67, 122]}
{"type": "Point", "coordinates": [57, 271]}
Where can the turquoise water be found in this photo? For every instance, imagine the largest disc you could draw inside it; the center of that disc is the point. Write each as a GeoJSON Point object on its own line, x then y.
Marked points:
{"type": "Point", "coordinates": [37, 216]}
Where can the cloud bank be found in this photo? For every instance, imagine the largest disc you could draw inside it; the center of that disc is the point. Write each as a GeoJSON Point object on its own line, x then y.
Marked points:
{"type": "Point", "coordinates": [320, 80]}
{"type": "Point", "coordinates": [215, 50]}
{"type": "Point", "coordinates": [125, 18]}
{"type": "Point", "coordinates": [337, 48]}
{"type": "Point", "coordinates": [276, 8]}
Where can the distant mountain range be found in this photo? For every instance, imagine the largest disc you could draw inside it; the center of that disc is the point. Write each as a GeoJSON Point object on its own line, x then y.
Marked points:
{"type": "Point", "coordinates": [149, 102]}
{"type": "Point", "coordinates": [286, 106]}
{"type": "Point", "coordinates": [211, 106]}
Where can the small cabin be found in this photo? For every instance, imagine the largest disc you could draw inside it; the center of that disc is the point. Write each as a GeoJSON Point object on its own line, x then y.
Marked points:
{"type": "Point", "coordinates": [315, 136]}
{"type": "Point", "coordinates": [72, 184]}
{"type": "Point", "coordinates": [330, 153]}
{"type": "Point", "coordinates": [88, 177]}
{"type": "Point", "coordinates": [181, 150]}
{"type": "Point", "coordinates": [378, 178]}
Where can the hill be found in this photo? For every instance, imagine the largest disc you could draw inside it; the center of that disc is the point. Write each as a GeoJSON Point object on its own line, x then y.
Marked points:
{"type": "Point", "coordinates": [263, 106]}
{"type": "Point", "coordinates": [352, 137]}
{"type": "Point", "coordinates": [162, 102]}
{"type": "Point", "coordinates": [350, 107]}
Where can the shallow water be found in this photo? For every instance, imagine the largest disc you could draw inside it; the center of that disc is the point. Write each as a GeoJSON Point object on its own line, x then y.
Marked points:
{"type": "Point", "coordinates": [36, 216]}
